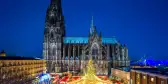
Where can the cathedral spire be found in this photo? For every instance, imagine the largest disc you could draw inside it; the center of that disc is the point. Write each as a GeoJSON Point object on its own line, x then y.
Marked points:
{"type": "Point", "coordinates": [92, 21]}
{"type": "Point", "coordinates": [56, 2]}
{"type": "Point", "coordinates": [92, 28]}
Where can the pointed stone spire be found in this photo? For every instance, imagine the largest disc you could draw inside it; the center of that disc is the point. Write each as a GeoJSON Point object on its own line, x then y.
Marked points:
{"type": "Point", "coordinates": [56, 2]}
{"type": "Point", "coordinates": [92, 21]}
{"type": "Point", "coordinates": [92, 26]}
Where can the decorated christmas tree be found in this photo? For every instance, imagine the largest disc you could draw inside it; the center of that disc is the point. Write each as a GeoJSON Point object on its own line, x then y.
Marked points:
{"type": "Point", "coordinates": [90, 76]}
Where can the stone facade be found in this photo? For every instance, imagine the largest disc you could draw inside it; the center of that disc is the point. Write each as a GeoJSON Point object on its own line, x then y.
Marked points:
{"type": "Point", "coordinates": [72, 53]}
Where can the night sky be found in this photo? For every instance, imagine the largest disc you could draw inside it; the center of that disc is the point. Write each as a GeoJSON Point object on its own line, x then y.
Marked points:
{"type": "Point", "coordinates": [140, 24]}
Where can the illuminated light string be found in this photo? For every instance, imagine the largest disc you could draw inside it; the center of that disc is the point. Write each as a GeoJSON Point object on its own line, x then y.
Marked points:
{"type": "Point", "coordinates": [90, 76]}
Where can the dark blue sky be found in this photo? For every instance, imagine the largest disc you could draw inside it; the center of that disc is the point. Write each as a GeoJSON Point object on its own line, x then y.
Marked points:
{"type": "Point", "coordinates": [141, 24]}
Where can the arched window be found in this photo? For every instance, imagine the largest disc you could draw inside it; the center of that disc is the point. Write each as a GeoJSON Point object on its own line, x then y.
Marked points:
{"type": "Point", "coordinates": [94, 51]}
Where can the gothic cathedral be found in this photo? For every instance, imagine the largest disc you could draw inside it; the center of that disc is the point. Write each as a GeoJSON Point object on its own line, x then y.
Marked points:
{"type": "Point", "coordinates": [72, 53]}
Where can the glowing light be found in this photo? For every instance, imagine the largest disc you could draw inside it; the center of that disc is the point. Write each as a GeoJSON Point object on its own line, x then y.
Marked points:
{"type": "Point", "coordinates": [90, 76]}
{"type": "Point", "coordinates": [138, 76]}
{"type": "Point", "coordinates": [128, 77]}
{"type": "Point", "coordinates": [116, 72]}
{"type": "Point", "coordinates": [44, 77]}
{"type": "Point", "coordinates": [152, 79]}
{"type": "Point", "coordinates": [144, 77]}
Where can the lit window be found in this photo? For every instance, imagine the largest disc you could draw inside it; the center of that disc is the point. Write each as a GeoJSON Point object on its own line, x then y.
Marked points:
{"type": "Point", "coordinates": [152, 79]}
{"type": "Point", "coordinates": [128, 76]}
{"type": "Point", "coordinates": [144, 77]}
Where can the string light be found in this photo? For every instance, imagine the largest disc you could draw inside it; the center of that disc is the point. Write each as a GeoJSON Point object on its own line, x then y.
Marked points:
{"type": "Point", "coordinates": [90, 76]}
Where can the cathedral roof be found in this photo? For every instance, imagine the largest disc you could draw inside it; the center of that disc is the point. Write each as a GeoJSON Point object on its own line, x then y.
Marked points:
{"type": "Point", "coordinates": [85, 40]}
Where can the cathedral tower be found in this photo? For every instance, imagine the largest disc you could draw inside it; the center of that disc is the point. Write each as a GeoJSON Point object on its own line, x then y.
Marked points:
{"type": "Point", "coordinates": [72, 53]}
{"type": "Point", "coordinates": [53, 35]}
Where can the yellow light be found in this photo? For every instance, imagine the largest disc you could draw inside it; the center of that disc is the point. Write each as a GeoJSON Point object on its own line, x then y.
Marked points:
{"type": "Point", "coordinates": [128, 77]}
{"type": "Point", "coordinates": [3, 54]}
{"type": "Point", "coordinates": [137, 75]}
{"type": "Point", "coordinates": [90, 76]}
{"type": "Point", "coordinates": [152, 79]}
{"type": "Point", "coordinates": [137, 82]}
{"type": "Point", "coordinates": [144, 77]}
{"type": "Point", "coordinates": [116, 72]}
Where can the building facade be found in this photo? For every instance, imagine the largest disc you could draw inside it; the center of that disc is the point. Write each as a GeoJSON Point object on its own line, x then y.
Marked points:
{"type": "Point", "coordinates": [72, 53]}
{"type": "Point", "coordinates": [121, 75]}
{"type": "Point", "coordinates": [2, 54]}
{"type": "Point", "coordinates": [148, 76]}
{"type": "Point", "coordinates": [17, 70]}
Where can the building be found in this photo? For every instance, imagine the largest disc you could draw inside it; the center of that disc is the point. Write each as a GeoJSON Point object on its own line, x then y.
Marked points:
{"type": "Point", "coordinates": [2, 54]}
{"type": "Point", "coordinates": [72, 53]}
{"type": "Point", "coordinates": [143, 66]}
{"type": "Point", "coordinates": [121, 74]}
{"type": "Point", "coordinates": [20, 70]}
{"type": "Point", "coordinates": [148, 76]}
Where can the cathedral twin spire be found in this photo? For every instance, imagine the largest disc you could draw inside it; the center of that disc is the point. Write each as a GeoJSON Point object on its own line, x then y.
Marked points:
{"type": "Point", "coordinates": [55, 17]}
{"type": "Point", "coordinates": [57, 3]}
